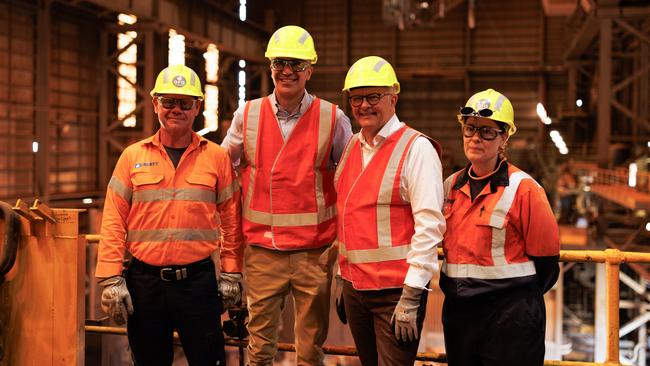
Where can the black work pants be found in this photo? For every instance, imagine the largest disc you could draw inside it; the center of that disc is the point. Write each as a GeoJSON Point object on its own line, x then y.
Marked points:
{"type": "Point", "coordinates": [502, 329]}
{"type": "Point", "coordinates": [191, 306]}
{"type": "Point", "coordinates": [369, 316]}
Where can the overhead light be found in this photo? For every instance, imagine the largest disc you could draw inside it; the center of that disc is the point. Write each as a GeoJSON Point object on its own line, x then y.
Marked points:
{"type": "Point", "coordinates": [242, 10]}
{"type": "Point", "coordinates": [631, 179]}
{"type": "Point", "coordinates": [87, 201]}
{"type": "Point", "coordinates": [176, 45]}
{"type": "Point", "coordinates": [559, 142]}
{"type": "Point", "coordinates": [579, 102]}
{"type": "Point", "coordinates": [647, 226]}
{"type": "Point", "coordinates": [35, 146]}
{"type": "Point", "coordinates": [541, 112]}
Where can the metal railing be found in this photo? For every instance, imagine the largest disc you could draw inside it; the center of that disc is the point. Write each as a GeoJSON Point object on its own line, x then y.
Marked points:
{"type": "Point", "coordinates": [612, 258]}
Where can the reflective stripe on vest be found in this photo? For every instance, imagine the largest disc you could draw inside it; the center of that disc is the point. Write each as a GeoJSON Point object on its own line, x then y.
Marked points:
{"type": "Point", "coordinates": [375, 255]}
{"type": "Point", "coordinates": [168, 235]}
{"type": "Point", "coordinates": [291, 219]}
{"type": "Point", "coordinates": [500, 269]}
{"type": "Point", "coordinates": [386, 250]}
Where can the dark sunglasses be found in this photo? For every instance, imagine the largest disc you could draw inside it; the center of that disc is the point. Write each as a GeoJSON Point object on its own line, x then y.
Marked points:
{"type": "Point", "coordinates": [471, 112]}
{"type": "Point", "coordinates": [485, 132]}
{"type": "Point", "coordinates": [373, 99]}
{"type": "Point", "coordinates": [170, 103]}
{"type": "Point", "coordinates": [279, 64]}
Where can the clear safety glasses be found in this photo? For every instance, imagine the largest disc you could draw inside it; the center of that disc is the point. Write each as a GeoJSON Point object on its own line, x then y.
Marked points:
{"type": "Point", "coordinates": [485, 132]}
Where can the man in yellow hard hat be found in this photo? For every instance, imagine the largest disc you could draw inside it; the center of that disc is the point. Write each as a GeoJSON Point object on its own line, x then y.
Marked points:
{"type": "Point", "coordinates": [161, 205]}
{"type": "Point", "coordinates": [291, 141]}
{"type": "Point", "coordinates": [389, 201]}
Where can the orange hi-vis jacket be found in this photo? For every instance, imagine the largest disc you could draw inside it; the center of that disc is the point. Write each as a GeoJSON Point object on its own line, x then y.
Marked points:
{"type": "Point", "coordinates": [375, 225]}
{"type": "Point", "coordinates": [289, 198]}
{"type": "Point", "coordinates": [491, 241]}
{"type": "Point", "coordinates": [171, 216]}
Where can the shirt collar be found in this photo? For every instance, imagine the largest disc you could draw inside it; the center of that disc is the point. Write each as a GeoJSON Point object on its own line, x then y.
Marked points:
{"type": "Point", "coordinates": [393, 125]}
{"type": "Point", "coordinates": [305, 102]}
{"type": "Point", "coordinates": [196, 140]}
{"type": "Point", "coordinates": [500, 178]}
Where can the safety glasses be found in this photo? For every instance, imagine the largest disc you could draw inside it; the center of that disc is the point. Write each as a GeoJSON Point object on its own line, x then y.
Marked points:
{"type": "Point", "coordinates": [373, 99]}
{"type": "Point", "coordinates": [471, 112]}
{"type": "Point", "coordinates": [485, 132]}
{"type": "Point", "coordinates": [279, 64]}
{"type": "Point", "coordinates": [169, 103]}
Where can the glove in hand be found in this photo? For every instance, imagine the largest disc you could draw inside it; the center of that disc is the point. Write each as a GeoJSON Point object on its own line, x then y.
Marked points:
{"type": "Point", "coordinates": [230, 289]}
{"type": "Point", "coordinates": [406, 313]}
{"type": "Point", "coordinates": [116, 300]}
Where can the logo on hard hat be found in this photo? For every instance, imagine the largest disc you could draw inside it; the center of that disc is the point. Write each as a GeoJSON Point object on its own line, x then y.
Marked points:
{"type": "Point", "coordinates": [179, 81]}
{"type": "Point", "coordinates": [483, 104]}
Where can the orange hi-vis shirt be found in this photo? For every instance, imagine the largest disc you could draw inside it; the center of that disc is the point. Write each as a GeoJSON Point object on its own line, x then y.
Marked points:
{"type": "Point", "coordinates": [490, 243]}
{"type": "Point", "coordinates": [289, 198]}
{"type": "Point", "coordinates": [171, 216]}
{"type": "Point", "coordinates": [375, 225]}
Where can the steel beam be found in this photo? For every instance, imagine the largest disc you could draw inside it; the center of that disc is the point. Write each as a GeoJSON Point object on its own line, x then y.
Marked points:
{"type": "Point", "coordinates": [42, 102]}
{"type": "Point", "coordinates": [604, 91]}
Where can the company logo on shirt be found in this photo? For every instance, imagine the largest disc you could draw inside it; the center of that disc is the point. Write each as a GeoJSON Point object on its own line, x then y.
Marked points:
{"type": "Point", "coordinates": [150, 163]}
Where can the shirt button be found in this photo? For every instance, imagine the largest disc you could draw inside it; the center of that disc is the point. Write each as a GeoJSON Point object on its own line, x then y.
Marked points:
{"type": "Point", "coordinates": [173, 216]}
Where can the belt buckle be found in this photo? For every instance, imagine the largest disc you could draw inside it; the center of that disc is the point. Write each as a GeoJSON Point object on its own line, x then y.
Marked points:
{"type": "Point", "coordinates": [179, 273]}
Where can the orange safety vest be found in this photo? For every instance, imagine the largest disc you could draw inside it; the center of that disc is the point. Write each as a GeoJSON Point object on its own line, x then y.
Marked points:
{"type": "Point", "coordinates": [484, 238]}
{"type": "Point", "coordinates": [289, 198]}
{"type": "Point", "coordinates": [375, 225]}
{"type": "Point", "coordinates": [165, 215]}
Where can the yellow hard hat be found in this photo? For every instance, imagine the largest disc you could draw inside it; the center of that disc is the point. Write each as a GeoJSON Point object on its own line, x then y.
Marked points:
{"type": "Point", "coordinates": [178, 79]}
{"type": "Point", "coordinates": [371, 71]}
{"type": "Point", "coordinates": [492, 105]}
{"type": "Point", "coordinates": [291, 41]}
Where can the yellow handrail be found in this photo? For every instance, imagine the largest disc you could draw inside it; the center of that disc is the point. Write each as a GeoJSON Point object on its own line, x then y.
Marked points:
{"type": "Point", "coordinates": [611, 257]}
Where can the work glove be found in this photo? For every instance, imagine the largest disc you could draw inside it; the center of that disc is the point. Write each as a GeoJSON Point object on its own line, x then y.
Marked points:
{"type": "Point", "coordinates": [340, 308]}
{"type": "Point", "coordinates": [405, 315]}
{"type": "Point", "coordinates": [230, 289]}
{"type": "Point", "coordinates": [116, 300]}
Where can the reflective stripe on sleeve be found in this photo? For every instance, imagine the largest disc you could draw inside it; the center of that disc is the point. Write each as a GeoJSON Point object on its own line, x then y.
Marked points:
{"type": "Point", "coordinates": [228, 192]}
{"type": "Point", "coordinates": [120, 189]}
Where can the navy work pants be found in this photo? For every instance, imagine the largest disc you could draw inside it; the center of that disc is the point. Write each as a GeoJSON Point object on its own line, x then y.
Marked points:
{"type": "Point", "coordinates": [191, 306]}
{"type": "Point", "coordinates": [499, 329]}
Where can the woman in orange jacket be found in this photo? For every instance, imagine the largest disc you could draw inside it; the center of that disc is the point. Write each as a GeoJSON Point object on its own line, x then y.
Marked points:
{"type": "Point", "coordinates": [501, 247]}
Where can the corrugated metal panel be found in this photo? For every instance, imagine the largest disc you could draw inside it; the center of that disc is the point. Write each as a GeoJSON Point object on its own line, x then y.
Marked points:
{"type": "Point", "coordinates": [73, 100]}
{"type": "Point", "coordinates": [430, 106]}
{"type": "Point", "coordinates": [17, 60]}
{"type": "Point", "coordinates": [556, 40]}
{"type": "Point", "coordinates": [442, 45]}
{"type": "Point", "coordinates": [506, 34]}
{"type": "Point", "coordinates": [369, 35]}
{"type": "Point", "coordinates": [324, 20]}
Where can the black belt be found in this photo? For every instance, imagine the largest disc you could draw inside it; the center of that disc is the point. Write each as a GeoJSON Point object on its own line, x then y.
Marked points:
{"type": "Point", "coordinates": [175, 272]}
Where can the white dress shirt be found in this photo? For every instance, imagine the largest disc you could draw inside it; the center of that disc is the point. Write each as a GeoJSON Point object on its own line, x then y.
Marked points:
{"type": "Point", "coordinates": [421, 185]}
{"type": "Point", "coordinates": [234, 140]}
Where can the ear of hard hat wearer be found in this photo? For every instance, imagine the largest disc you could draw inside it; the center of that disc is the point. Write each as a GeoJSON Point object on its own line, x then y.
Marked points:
{"type": "Point", "coordinates": [498, 103]}
{"type": "Point", "coordinates": [178, 79]}
{"type": "Point", "coordinates": [291, 41]}
{"type": "Point", "coordinates": [371, 71]}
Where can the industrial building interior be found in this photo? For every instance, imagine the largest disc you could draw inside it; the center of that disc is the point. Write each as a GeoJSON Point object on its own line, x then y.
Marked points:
{"type": "Point", "coordinates": [77, 76]}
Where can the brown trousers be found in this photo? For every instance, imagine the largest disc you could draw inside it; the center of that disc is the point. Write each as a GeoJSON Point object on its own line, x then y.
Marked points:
{"type": "Point", "coordinates": [369, 316]}
{"type": "Point", "coordinates": [270, 276]}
